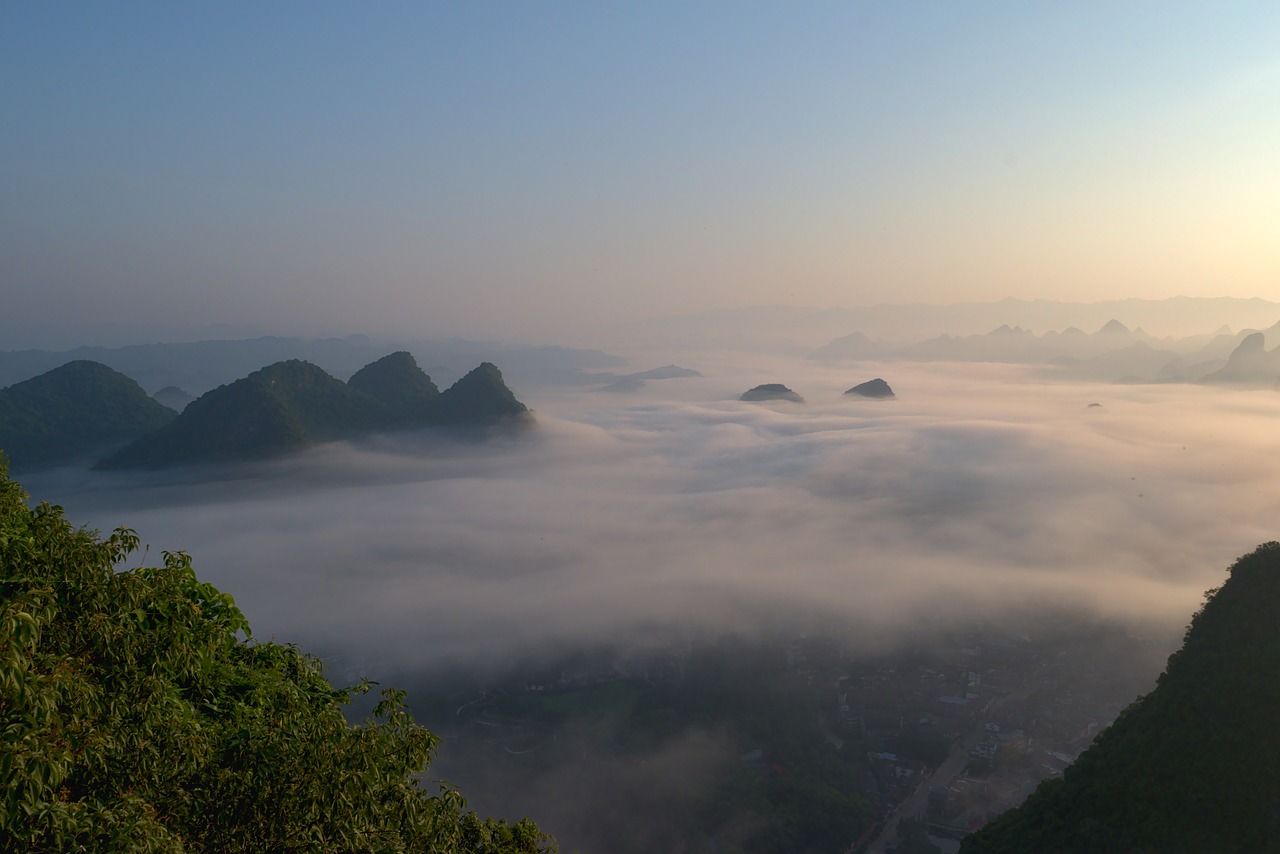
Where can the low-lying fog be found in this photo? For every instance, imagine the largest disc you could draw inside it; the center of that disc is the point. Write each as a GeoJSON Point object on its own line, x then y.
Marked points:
{"type": "Point", "coordinates": [623, 516]}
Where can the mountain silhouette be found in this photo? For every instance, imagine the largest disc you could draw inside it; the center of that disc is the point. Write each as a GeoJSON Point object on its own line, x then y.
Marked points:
{"type": "Point", "coordinates": [876, 388]}
{"type": "Point", "coordinates": [397, 382]}
{"type": "Point", "coordinates": [80, 409]}
{"type": "Point", "coordinates": [1249, 363]}
{"type": "Point", "coordinates": [292, 404]}
{"type": "Point", "coordinates": [480, 397]}
{"type": "Point", "coordinates": [771, 391]}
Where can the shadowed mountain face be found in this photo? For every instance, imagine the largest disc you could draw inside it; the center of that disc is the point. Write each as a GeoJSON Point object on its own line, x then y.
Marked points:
{"type": "Point", "coordinates": [480, 397]}
{"type": "Point", "coordinates": [1194, 765]}
{"type": "Point", "coordinates": [876, 388]}
{"type": "Point", "coordinates": [400, 385]}
{"type": "Point", "coordinates": [292, 404]}
{"type": "Point", "coordinates": [280, 408]}
{"type": "Point", "coordinates": [771, 391]}
{"type": "Point", "coordinates": [79, 409]}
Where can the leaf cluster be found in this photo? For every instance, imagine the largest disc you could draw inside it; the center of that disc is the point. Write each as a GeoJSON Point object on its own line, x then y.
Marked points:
{"type": "Point", "coordinates": [136, 713]}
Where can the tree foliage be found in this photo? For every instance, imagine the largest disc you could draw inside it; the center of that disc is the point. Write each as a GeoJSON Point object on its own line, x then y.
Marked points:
{"type": "Point", "coordinates": [137, 714]}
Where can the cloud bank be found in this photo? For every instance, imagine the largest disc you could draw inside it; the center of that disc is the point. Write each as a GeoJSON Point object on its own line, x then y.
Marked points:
{"type": "Point", "coordinates": [977, 491]}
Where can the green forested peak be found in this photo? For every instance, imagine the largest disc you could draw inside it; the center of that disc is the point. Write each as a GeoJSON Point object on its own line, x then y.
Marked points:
{"type": "Point", "coordinates": [291, 404]}
{"type": "Point", "coordinates": [77, 409]}
{"type": "Point", "coordinates": [481, 396]}
{"type": "Point", "coordinates": [397, 381]}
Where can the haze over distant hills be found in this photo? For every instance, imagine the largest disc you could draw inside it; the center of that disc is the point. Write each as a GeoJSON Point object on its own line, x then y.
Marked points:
{"type": "Point", "coordinates": [1113, 352]}
{"type": "Point", "coordinates": [198, 366]}
{"type": "Point", "coordinates": [1037, 330]}
{"type": "Point", "coordinates": [633, 382]}
{"type": "Point", "coordinates": [788, 329]}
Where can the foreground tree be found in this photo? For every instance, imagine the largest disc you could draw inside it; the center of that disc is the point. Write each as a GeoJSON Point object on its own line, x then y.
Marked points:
{"type": "Point", "coordinates": [136, 714]}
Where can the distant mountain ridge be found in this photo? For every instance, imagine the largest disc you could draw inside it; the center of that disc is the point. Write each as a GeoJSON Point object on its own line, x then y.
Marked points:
{"type": "Point", "coordinates": [628, 383]}
{"type": "Point", "coordinates": [1249, 363]}
{"type": "Point", "coordinates": [201, 366]}
{"type": "Point", "coordinates": [793, 329]}
{"type": "Point", "coordinates": [1193, 766]}
{"type": "Point", "coordinates": [1112, 353]}
{"type": "Point", "coordinates": [292, 404]}
{"type": "Point", "coordinates": [78, 410]}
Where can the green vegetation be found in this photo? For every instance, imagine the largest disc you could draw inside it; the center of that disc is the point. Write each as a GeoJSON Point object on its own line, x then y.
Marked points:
{"type": "Point", "coordinates": [1192, 766]}
{"type": "Point", "coordinates": [400, 386]}
{"type": "Point", "coordinates": [280, 408]}
{"type": "Point", "coordinates": [78, 410]}
{"type": "Point", "coordinates": [292, 404]}
{"type": "Point", "coordinates": [136, 715]}
{"type": "Point", "coordinates": [480, 397]}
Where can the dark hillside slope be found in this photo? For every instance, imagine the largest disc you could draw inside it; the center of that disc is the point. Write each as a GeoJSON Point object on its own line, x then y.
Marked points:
{"type": "Point", "coordinates": [74, 411]}
{"type": "Point", "coordinates": [280, 408]}
{"type": "Point", "coordinates": [326, 407]}
{"type": "Point", "coordinates": [290, 405]}
{"type": "Point", "coordinates": [1194, 766]}
{"type": "Point", "coordinates": [400, 385]}
{"type": "Point", "coordinates": [481, 397]}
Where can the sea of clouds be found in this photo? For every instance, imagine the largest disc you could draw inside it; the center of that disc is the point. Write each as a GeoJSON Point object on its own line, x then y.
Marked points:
{"type": "Point", "coordinates": [620, 517]}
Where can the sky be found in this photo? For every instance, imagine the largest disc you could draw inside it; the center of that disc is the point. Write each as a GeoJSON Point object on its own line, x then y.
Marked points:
{"type": "Point", "coordinates": [519, 170]}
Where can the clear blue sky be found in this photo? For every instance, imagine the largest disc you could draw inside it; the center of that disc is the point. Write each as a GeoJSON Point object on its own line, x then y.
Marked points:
{"type": "Point", "coordinates": [493, 169]}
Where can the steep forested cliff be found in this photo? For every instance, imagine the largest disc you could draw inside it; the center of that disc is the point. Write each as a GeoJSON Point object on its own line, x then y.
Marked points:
{"type": "Point", "coordinates": [1193, 766]}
